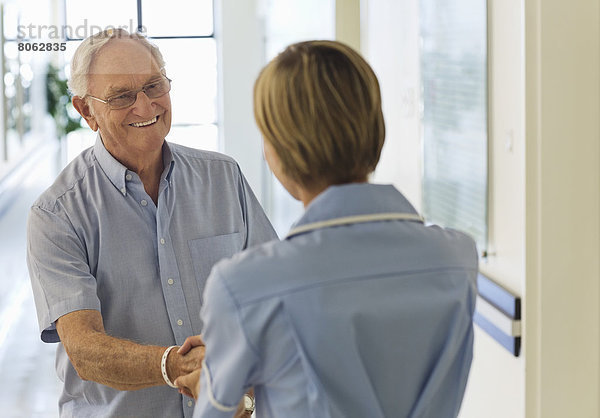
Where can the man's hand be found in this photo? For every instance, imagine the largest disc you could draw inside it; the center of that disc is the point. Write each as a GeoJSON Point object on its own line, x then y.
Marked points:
{"type": "Point", "coordinates": [189, 382]}
{"type": "Point", "coordinates": [183, 364]}
{"type": "Point", "coordinates": [189, 343]}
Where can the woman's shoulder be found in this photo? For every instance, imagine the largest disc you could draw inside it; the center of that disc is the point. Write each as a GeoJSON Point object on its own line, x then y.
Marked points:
{"type": "Point", "coordinates": [258, 271]}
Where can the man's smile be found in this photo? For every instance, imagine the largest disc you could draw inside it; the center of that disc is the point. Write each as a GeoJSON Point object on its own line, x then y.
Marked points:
{"type": "Point", "coordinates": [145, 123]}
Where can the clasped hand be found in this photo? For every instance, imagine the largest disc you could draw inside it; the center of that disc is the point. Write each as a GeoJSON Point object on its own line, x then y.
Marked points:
{"type": "Point", "coordinates": [189, 383]}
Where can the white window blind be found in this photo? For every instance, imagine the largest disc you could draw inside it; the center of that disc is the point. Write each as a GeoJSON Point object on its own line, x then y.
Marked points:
{"type": "Point", "coordinates": [454, 82]}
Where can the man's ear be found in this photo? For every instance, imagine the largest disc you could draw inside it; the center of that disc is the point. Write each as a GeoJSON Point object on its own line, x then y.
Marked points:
{"type": "Point", "coordinates": [81, 105]}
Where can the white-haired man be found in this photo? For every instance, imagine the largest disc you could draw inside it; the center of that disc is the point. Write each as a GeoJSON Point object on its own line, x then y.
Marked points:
{"type": "Point", "coordinates": [120, 246]}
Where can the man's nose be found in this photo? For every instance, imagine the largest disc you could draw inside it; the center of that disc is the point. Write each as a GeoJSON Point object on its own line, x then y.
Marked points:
{"type": "Point", "coordinates": [143, 104]}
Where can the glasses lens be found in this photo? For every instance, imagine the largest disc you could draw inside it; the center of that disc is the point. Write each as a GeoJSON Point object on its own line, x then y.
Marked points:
{"type": "Point", "coordinates": [122, 100]}
{"type": "Point", "coordinates": [152, 90]}
{"type": "Point", "coordinates": [158, 88]}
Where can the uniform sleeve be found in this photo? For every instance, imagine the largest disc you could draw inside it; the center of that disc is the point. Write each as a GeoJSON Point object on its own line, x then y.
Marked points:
{"type": "Point", "coordinates": [230, 362]}
{"type": "Point", "coordinates": [258, 227]}
{"type": "Point", "coordinates": [58, 269]}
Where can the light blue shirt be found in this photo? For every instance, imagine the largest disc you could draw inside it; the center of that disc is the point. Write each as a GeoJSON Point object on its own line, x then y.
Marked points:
{"type": "Point", "coordinates": [370, 319]}
{"type": "Point", "coordinates": [96, 240]}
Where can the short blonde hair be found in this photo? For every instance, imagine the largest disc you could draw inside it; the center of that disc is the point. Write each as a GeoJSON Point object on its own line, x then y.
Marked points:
{"type": "Point", "coordinates": [318, 104]}
{"type": "Point", "coordinates": [86, 52]}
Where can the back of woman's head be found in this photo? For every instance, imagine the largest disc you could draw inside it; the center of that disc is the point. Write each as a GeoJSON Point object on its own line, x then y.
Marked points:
{"type": "Point", "coordinates": [318, 104]}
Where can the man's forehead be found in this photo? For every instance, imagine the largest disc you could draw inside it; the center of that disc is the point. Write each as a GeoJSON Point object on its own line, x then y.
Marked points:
{"type": "Point", "coordinates": [124, 57]}
{"type": "Point", "coordinates": [150, 69]}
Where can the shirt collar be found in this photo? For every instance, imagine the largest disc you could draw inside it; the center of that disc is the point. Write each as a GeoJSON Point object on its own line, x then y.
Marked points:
{"type": "Point", "coordinates": [114, 170]}
{"type": "Point", "coordinates": [117, 172]}
{"type": "Point", "coordinates": [168, 162]}
{"type": "Point", "coordinates": [355, 199]}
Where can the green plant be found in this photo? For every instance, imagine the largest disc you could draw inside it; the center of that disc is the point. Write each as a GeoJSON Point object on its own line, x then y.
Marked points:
{"type": "Point", "coordinates": [59, 102]}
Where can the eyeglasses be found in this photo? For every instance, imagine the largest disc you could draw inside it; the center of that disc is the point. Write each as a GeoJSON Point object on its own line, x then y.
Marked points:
{"type": "Point", "coordinates": [153, 90]}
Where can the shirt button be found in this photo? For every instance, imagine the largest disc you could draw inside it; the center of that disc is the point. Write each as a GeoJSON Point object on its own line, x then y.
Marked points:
{"type": "Point", "coordinates": [170, 281]}
{"type": "Point", "coordinates": [128, 177]}
{"type": "Point", "coordinates": [162, 241]}
{"type": "Point", "coordinates": [144, 202]}
{"type": "Point", "coordinates": [179, 322]}
{"type": "Point", "coordinates": [190, 403]}
{"type": "Point", "coordinates": [123, 190]}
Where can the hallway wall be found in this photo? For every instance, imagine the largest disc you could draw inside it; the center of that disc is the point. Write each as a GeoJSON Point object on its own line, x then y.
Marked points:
{"type": "Point", "coordinates": [562, 61]}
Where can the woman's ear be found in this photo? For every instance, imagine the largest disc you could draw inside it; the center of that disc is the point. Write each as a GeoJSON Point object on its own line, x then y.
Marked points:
{"type": "Point", "coordinates": [81, 105]}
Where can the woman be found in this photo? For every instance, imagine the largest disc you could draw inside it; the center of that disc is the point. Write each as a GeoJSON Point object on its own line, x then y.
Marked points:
{"type": "Point", "coordinates": [361, 311]}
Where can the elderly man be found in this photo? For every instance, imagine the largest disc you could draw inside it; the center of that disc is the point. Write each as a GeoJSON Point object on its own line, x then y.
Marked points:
{"type": "Point", "coordinates": [120, 246]}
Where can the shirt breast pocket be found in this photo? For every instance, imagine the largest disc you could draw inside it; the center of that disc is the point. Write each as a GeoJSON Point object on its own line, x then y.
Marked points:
{"type": "Point", "coordinates": [206, 252]}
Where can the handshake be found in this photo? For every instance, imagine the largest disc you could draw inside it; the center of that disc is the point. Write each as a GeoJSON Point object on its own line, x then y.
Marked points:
{"type": "Point", "coordinates": [186, 363]}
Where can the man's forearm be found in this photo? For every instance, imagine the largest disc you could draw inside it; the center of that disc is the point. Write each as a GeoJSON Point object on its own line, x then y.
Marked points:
{"type": "Point", "coordinates": [117, 363]}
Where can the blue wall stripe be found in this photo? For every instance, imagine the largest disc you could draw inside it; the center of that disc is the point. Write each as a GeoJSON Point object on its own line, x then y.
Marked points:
{"type": "Point", "coordinates": [498, 296]}
{"type": "Point", "coordinates": [512, 344]}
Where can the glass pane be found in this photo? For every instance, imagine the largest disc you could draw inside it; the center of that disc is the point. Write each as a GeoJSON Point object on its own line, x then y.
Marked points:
{"type": "Point", "coordinates": [85, 18]}
{"type": "Point", "coordinates": [197, 136]}
{"type": "Point", "coordinates": [13, 25]}
{"type": "Point", "coordinates": [192, 65]}
{"type": "Point", "coordinates": [24, 80]}
{"type": "Point", "coordinates": [178, 17]}
{"type": "Point", "coordinates": [31, 20]}
{"type": "Point", "coordinates": [454, 77]}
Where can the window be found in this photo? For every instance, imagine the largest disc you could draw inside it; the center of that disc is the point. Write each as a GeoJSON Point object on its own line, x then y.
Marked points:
{"type": "Point", "coordinates": [454, 82]}
{"type": "Point", "coordinates": [23, 122]}
{"type": "Point", "coordinates": [184, 32]}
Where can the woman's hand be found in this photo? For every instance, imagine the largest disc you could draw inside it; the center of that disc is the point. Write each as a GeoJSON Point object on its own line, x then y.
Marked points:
{"type": "Point", "coordinates": [189, 385]}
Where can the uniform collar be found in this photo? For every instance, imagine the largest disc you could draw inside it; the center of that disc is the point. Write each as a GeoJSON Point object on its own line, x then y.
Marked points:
{"type": "Point", "coordinates": [117, 172]}
{"type": "Point", "coordinates": [355, 199]}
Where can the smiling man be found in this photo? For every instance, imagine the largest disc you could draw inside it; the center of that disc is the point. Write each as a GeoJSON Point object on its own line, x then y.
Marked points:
{"type": "Point", "coordinates": [120, 246]}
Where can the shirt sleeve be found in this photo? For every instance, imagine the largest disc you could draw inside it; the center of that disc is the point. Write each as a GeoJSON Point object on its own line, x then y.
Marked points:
{"type": "Point", "coordinates": [230, 361]}
{"type": "Point", "coordinates": [58, 269]}
{"type": "Point", "coordinates": [258, 227]}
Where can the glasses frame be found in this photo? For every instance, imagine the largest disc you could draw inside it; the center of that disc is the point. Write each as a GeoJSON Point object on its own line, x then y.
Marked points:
{"type": "Point", "coordinates": [143, 89]}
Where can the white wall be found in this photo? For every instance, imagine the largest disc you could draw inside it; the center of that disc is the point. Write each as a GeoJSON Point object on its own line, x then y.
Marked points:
{"type": "Point", "coordinates": [240, 56]}
{"type": "Point", "coordinates": [562, 60]}
{"type": "Point", "coordinates": [496, 386]}
{"type": "Point", "coordinates": [390, 43]}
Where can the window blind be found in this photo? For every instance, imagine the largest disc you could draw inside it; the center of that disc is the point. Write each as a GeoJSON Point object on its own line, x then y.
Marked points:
{"type": "Point", "coordinates": [454, 83]}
